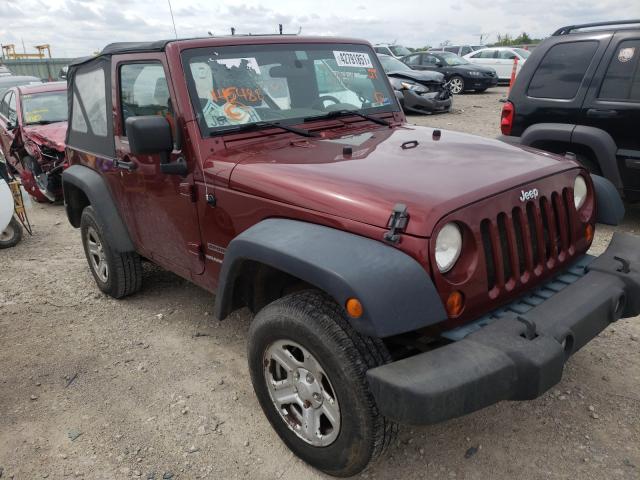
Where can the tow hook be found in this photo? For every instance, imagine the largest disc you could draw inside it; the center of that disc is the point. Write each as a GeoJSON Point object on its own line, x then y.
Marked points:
{"type": "Point", "coordinates": [626, 264]}
{"type": "Point", "coordinates": [397, 223]}
{"type": "Point", "coordinates": [530, 333]}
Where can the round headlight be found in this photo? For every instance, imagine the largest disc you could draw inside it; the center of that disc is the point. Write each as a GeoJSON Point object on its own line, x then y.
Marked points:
{"type": "Point", "coordinates": [579, 192]}
{"type": "Point", "coordinates": [448, 247]}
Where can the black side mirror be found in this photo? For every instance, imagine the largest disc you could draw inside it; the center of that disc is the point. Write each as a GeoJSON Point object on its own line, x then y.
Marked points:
{"type": "Point", "coordinates": [11, 126]}
{"type": "Point", "coordinates": [152, 135]}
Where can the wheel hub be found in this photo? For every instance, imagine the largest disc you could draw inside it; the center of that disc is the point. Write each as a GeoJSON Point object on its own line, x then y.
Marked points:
{"type": "Point", "coordinates": [309, 390]}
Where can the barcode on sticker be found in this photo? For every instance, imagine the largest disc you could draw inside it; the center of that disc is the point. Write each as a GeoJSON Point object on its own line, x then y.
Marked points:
{"type": "Point", "coordinates": [353, 59]}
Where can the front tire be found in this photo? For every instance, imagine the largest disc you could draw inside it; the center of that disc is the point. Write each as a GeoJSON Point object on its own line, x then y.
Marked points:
{"type": "Point", "coordinates": [308, 370]}
{"type": "Point", "coordinates": [11, 235]}
{"type": "Point", "coordinates": [456, 84]}
{"type": "Point", "coordinates": [117, 274]}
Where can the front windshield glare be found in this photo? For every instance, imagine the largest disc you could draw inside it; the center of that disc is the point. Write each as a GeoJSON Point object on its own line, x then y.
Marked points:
{"type": "Point", "coordinates": [45, 107]}
{"type": "Point", "coordinates": [399, 50]}
{"type": "Point", "coordinates": [391, 64]}
{"type": "Point", "coordinates": [452, 59]}
{"type": "Point", "coordinates": [240, 85]}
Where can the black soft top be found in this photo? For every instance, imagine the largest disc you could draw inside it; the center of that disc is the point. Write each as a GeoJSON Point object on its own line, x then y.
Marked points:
{"type": "Point", "coordinates": [126, 47]}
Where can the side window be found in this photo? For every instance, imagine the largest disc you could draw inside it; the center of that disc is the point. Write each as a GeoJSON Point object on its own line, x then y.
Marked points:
{"type": "Point", "coordinates": [622, 80]}
{"type": "Point", "coordinates": [379, 50]}
{"type": "Point", "coordinates": [506, 55]}
{"type": "Point", "coordinates": [451, 49]}
{"type": "Point", "coordinates": [4, 105]}
{"type": "Point", "coordinates": [413, 60]}
{"type": "Point", "coordinates": [144, 90]}
{"type": "Point", "coordinates": [89, 103]}
{"type": "Point", "coordinates": [465, 51]}
{"type": "Point", "coordinates": [12, 114]}
{"type": "Point", "coordinates": [429, 60]}
{"type": "Point", "coordinates": [561, 71]}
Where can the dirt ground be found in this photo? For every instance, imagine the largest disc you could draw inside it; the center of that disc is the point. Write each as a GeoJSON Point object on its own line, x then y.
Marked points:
{"type": "Point", "coordinates": [153, 387]}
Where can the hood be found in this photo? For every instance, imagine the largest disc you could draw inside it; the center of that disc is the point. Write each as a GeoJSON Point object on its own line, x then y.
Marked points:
{"type": "Point", "coordinates": [432, 179]}
{"type": "Point", "coordinates": [425, 76]}
{"type": "Point", "coordinates": [52, 135]}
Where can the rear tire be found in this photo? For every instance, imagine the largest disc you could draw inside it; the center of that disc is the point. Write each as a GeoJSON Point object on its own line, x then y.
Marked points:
{"type": "Point", "coordinates": [307, 333]}
{"type": "Point", "coordinates": [117, 274]}
{"type": "Point", "coordinates": [11, 235]}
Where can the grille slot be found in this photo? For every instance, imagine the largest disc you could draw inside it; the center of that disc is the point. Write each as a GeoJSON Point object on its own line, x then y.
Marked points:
{"type": "Point", "coordinates": [527, 241]}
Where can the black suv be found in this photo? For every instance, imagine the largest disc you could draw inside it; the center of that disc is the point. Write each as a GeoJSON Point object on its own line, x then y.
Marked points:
{"type": "Point", "coordinates": [579, 92]}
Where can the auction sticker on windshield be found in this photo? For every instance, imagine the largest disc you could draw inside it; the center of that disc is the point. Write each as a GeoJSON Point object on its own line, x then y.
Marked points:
{"type": "Point", "coordinates": [353, 59]}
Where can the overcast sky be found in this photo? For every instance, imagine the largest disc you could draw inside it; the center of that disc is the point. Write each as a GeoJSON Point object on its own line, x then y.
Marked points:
{"type": "Point", "coordinates": [81, 27]}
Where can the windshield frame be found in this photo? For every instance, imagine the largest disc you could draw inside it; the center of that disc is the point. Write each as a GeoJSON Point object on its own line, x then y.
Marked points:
{"type": "Point", "coordinates": [206, 131]}
{"type": "Point", "coordinates": [24, 96]}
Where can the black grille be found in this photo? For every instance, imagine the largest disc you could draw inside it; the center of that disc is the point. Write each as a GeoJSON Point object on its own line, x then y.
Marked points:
{"type": "Point", "coordinates": [525, 239]}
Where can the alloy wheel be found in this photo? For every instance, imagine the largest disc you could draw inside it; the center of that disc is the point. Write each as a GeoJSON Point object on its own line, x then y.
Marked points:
{"type": "Point", "coordinates": [97, 255]}
{"type": "Point", "coordinates": [456, 85]}
{"type": "Point", "coordinates": [302, 393]}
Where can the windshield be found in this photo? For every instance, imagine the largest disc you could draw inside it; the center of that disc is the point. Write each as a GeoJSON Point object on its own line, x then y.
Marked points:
{"type": "Point", "coordinates": [522, 52]}
{"type": "Point", "coordinates": [391, 64]}
{"type": "Point", "coordinates": [452, 59]}
{"type": "Point", "coordinates": [44, 107]}
{"type": "Point", "coordinates": [399, 50]}
{"type": "Point", "coordinates": [239, 85]}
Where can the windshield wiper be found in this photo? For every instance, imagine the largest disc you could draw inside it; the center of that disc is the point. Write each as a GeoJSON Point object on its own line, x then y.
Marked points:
{"type": "Point", "coordinates": [262, 124]}
{"type": "Point", "coordinates": [42, 122]}
{"type": "Point", "coordinates": [344, 113]}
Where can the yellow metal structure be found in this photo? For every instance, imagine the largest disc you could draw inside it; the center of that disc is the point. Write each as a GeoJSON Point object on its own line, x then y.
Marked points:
{"type": "Point", "coordinates": [9, 52]}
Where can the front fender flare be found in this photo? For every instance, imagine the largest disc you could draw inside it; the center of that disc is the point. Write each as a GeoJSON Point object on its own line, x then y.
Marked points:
{"type": "Point", "coordinates": [94, 186]}
{"type": "Point", "coordinates": [397, 294]}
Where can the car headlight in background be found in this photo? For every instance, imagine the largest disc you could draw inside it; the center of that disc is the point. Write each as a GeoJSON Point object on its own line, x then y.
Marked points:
{"type": "Point", "coordinates": [474, 73]}
{"type": "Point", "coordinates": [448, 247]}
{"type": "Point", "coordinates": [413, 86]}
{"type": "Point", "coordinates": [579, 192]}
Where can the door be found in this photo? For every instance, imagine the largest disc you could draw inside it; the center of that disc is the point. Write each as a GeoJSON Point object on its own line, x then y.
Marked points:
{"type": "Point", "coordinates": [485, 57]}
{"type": "Point", "coordinates": [161, 207]}
{"type": "Point", "coordinates": [430, 62]}
{"type": "Point", "coordinates": [8, 115]}
{"type": "Point", "coordinates": [504, 63]}
{"type": "Point", "coordinates": [613, 103]}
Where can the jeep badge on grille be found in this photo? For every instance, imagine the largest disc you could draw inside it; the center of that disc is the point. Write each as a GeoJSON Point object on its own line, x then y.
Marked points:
{"type": "Point", "coordinates": [529, 195]}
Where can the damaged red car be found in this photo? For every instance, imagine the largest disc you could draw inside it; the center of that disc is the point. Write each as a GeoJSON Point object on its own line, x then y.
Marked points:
{"type": "Point", "coordinates": [33, 125]}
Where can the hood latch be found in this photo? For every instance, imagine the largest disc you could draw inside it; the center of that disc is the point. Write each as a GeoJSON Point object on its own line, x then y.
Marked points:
{"type": "Point", "coordinates": [397, 223]}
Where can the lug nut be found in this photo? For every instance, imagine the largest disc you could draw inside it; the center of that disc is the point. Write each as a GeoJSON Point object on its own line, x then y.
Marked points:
{"type": "Point", "coordinates": [296, 376]}
{"type": "Point", "coordinates": [316, 396]}
{"type": "Point", "coordinates": [310, 378]}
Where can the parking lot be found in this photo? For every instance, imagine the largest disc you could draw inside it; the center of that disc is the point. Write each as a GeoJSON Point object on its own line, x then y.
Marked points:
{"type": "Point", "coordinates": [153, 387]}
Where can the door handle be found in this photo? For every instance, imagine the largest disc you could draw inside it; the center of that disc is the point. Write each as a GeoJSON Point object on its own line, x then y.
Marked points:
{"type": "Point", "coordinates": [126, 164]}
{"type": "Point", "coordinates": [595, 113]}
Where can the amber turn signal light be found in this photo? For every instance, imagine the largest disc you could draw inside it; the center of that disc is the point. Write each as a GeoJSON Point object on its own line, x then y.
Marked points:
{"type": "Point", "coordinates": [455, 303]}
{"type": "Point", "coordinates": [354, 308]}
{"type": "Point", "coordinates": [588, 232]}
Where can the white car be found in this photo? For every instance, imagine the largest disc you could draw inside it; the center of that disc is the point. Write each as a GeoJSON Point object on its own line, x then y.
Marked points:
{"type": "Point", "coordinates": [499, 58]}
{"type": "Point", "coordinates": [395, 51]}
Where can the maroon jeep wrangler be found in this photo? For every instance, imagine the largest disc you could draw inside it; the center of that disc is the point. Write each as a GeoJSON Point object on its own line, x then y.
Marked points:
{"type": "Point", "coordinates": [398, 274]}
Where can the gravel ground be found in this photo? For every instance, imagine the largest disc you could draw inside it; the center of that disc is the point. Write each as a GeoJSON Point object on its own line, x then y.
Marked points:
{"type": "Point", "coordinates": [153, 387]}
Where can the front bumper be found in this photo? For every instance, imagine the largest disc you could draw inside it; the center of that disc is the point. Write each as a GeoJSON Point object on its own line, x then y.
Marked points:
{"type": "Point", "coordinates": [480, 83]}
{"type": "Point", "coordinates": [520, 355]}
{"type": "Point", "coordinates": [426, 102]}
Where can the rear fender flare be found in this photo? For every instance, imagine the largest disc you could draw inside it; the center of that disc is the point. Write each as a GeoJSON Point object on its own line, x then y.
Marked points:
{"type": "Point", "coordinates": [95, 188]}
{"type": "Point", "coordinates": [598, 141]}
{"type": "Point", "coordinates": [396, 292]}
